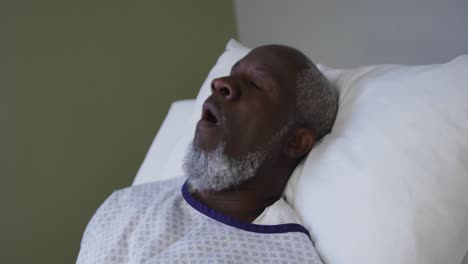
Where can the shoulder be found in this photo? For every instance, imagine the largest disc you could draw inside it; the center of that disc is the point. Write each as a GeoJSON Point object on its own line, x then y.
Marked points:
{"type": "Point", "coordinates": [121, 213]}
{"type": "Point", "coordinates": [278, 213]}
{"type": "Point", "coordinates": [130, 202]}
{"type": "Point", "coordinates": [142, 194]}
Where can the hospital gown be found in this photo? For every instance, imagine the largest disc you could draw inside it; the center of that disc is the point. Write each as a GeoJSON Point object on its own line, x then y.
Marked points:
{"type": "Point", "coordinates": [162, 222]}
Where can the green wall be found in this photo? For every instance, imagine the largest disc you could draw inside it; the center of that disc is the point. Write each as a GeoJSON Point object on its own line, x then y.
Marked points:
{"type": "Point", "coordinates": [84, 86]}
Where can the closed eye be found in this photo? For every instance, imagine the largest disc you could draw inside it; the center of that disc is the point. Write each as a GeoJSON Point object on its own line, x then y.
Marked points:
{"type": "Point", "coordinates": [255, 85]}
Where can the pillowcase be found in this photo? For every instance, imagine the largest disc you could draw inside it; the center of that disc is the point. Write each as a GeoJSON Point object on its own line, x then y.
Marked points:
{"type": "Point", "coordinates": [170, 132]}
{"type": "Point", "coordinates": [388, 184]}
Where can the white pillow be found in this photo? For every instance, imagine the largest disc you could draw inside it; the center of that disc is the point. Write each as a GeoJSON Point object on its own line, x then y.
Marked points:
{"type": "Point", "coordinates": [170, 132]}
{"type": "Point", "coordinates": [388, 184]}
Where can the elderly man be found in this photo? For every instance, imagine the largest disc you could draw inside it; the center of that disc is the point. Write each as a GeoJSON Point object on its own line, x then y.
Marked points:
{"type": "Point", "coordinates": [256, 126]}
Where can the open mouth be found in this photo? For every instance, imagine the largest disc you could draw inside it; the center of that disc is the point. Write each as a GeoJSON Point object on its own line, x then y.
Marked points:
{"type": "Point", "coordinates": [209, 116]}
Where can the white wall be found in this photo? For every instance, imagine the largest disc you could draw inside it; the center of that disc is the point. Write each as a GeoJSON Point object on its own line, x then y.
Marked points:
{"type": "Point", "coordinates": [356, 32]}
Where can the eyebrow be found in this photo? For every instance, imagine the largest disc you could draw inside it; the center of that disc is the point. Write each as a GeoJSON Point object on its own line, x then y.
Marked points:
{"type": "Point", "coordinates": [262, 70]}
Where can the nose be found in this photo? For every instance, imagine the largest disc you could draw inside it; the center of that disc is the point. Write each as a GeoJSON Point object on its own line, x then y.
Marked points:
{"type": "Point", "coordinates": [225, 87]}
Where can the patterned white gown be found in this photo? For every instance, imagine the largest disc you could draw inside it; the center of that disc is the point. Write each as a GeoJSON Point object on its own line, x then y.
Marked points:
{"type": "Point", "coordinates": [161, 222]}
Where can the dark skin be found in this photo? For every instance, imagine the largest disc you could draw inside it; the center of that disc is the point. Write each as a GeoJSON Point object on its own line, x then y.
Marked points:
{"type": "Point", "coordinates": [255, 101]}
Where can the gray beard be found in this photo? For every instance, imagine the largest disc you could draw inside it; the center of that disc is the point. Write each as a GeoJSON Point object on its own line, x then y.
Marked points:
{"type": "Point", "coordinates": [215, 171]}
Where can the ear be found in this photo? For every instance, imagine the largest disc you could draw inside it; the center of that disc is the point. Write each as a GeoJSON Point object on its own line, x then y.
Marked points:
{"type": "Point", "coordinates": [300, 143]}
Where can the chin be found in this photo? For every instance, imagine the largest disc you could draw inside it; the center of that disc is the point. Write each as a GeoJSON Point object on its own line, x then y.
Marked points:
{"type": "Point", "coordinates": [212, 170]}
{"type": "Point", "coordinates": [206, 143]}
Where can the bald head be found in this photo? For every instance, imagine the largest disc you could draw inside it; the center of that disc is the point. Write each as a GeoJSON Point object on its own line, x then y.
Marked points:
{"type": "Point", "coordinates": [290, 57]}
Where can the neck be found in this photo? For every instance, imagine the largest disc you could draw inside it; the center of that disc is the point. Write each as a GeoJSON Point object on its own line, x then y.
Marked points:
{"type": "Point", "coordinates": [248, 200]}
{"type": "Point", "coordinates": [243, 204]}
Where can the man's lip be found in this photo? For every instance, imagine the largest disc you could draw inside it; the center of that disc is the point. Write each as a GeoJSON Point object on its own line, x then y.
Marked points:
{"type": "Point", "coordinates": [211, 113]}
{"type": "Point", "coordinates": [202, 123]}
